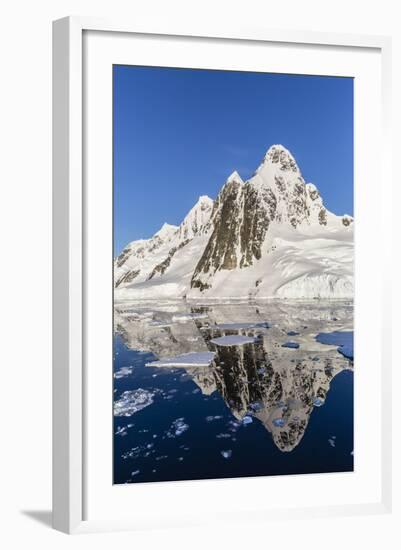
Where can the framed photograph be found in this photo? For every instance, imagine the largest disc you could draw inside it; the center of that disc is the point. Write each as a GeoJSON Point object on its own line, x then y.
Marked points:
{"type": "Point", "coordinates": [221, 304]}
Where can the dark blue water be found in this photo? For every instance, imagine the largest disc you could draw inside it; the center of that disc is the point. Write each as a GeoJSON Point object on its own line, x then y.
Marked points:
{"type": "Point", "coordinates": [183, 433]}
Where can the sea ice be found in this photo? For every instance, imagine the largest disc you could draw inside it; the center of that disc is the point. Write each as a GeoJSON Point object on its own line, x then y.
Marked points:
{"type": "Point", "coordinates": [121, 373]}
{"type": "Point", "coordinates": [247, 420]}
{"type": "Point", "coordinates": [132, 401]}
{"type": "Point", "coordinates": [234, 340]}
{"type": "Point", "coordinates": [191, 359]}
{"type": "Point", "coordinates": [318, 402]}
{"type": "Point", "coordinates": [240, 326]}
{"type": "Point", "coordinates": [226, 454]}
{"type": "Point", "coordinates": [189, 317]}
{"type": "Point", "coordinates": [292, 345]}
{"type": "Point", "coordinates": [215, 417]}
{"type": "Point", "coordinates": [177, 428]}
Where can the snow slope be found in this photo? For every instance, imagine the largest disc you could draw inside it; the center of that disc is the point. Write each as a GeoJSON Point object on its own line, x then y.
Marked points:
{"type": "Point", "coordinates": [268, 237]}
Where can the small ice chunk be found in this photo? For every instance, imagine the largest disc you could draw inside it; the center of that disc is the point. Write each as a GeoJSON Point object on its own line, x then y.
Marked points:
{"type": "Point", "coordinates": [188, 317]}
{"type": "Point", "coordinates": [191, 359]}
{"type": "Point", "coordinates": [132, 401]}
{"type": "Point", "coordinates": [256, 406]}
{"type": "Point", "coordinates": [233, 340]}
{"type": "Point", "coordinates": [177, 428]}
{"type": "Point", "coordinates": [123, 372]}
{"type": "Point", "coordinates": [290, 344]}
{"type": "Point", "coordinates": [332, 442]}
{"type": "Point", "coordinates": [135, 473]}
{"type": "Point", "coordinates": [247, 420]}
{"type": "Point", "coordinates": [279, 422]}
{"type": "Point", "coordinates": [240, 326]}
{"type": "Point", "coordinates": [318, 402]}
{"type": "Point", "coordinates": [215, 417]}
{"type": "Point", "coordinates": [226, 454]}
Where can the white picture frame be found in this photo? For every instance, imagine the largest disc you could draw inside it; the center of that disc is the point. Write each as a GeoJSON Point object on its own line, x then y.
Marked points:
{"type": "Point", "coordinates": [70, 258]}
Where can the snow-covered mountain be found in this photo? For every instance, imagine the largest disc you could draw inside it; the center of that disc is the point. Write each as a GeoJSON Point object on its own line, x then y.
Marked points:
{"type": "Point", "coordinates": [268, 237]}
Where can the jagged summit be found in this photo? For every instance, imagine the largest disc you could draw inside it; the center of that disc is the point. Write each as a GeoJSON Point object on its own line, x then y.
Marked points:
{"type": "Point", "coordinates": [196, 220]}
{"type": "Point", "coordinates": [166, 229]}
{"type": "Point", "coordinates": [279, 157]}
{"type": "Point", "coordinates": [270, 236]}
{"type": "Point", "coordinates": [234, 177]}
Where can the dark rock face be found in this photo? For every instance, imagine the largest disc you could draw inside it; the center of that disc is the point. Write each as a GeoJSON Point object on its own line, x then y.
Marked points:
{"type": "Point", "coordinates": [162, 266]}
{"type": "Point", "coordinates": [255, 223]}
{"type": "Point", "coordinates": [241, 217]}
{"type": "Point", "coordinates": [278, 156]}
{"type": "Point", "coordinates": [120, 260]}
{"type": "Point", "coordinates": [323, 217]}
{"type": "Point", "coordinates": [346, 221]}
{"type": "Point", "coordinates": [220, 252]}
{"type": "Point", "coordinates": [128, 277]}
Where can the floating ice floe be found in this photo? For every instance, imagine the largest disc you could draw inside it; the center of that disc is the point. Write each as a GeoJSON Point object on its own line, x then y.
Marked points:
{"type": "Point", "coordinates": [292, 345]}
{"type": "Point", "coordinates": [215, 417]}
{"type": "Point", "coordinates": [189, 317]}
{"type": "Point", "coordinates": [177, 428]}
{"type": "Point", "coordinates": [132, 401]}
{"type": "Point", "coordinates": [133, 474]}
{"type": "Point", "coordinates": [124, 371]}
{"type": "Point", "coordinates": [159, 324]}
{"type": "Point", "coordinates": [240, 326]}
{"type": "Point", "coordinates": [247, 420]}
{"type": "Point", "coordinates": [191, 359]}
{"type": "Point", "coordinates": [256, 406]}
{"type": "Point", "coordinates": [226, 454]}
{"type": "Point", "coordinates": [332, 442]}
{"type": "Point", "coordinates": [318, 402]}
{"type": "Point", "coordinates": [223, 436]}
{"type": "Point", "coordinates": [234, 340]}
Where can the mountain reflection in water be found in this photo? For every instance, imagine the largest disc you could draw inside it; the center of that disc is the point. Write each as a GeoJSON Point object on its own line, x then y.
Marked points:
{"type": "Point", "coordinates": [260, 382]}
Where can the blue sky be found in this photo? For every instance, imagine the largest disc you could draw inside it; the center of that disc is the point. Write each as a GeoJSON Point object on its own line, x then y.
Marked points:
{"type": "Point", "coordinates": [179, 133]}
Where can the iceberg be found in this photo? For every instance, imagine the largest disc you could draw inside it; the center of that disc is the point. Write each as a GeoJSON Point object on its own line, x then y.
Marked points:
{"type": "Point", "coordinates": [191, 359]}
{"type": "Point", "coordinates": [234, 340]}
{"type": "Point", "coordinates": [132, 401]}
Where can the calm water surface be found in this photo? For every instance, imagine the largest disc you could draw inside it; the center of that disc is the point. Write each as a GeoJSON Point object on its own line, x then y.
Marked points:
{"type": "Point", "coordinates": [259, 408]}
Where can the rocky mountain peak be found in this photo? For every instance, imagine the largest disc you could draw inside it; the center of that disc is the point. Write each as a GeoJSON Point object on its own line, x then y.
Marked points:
{"type": "Point", "coordinates": [234, 177]}
{"type": "Point", "coordinates": [239, 236]}
{"type": "Point", "coordinates": [166, 230]}
{"type": "Point", "coordinates": [279, 156]}
{"type": "Point", "coordinates": [196, 221]}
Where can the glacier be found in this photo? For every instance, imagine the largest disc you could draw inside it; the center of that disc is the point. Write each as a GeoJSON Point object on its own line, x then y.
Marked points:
{"type": "Point", "coordinates": [269, 237]}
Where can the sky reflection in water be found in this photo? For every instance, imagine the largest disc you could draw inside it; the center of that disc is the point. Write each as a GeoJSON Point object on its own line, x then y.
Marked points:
{"type": "Point", "coordinates": [258, 408]}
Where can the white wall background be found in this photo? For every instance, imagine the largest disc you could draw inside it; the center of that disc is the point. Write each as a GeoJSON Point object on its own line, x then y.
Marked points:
{"type": "Point", "coordinates": [25, 124]}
